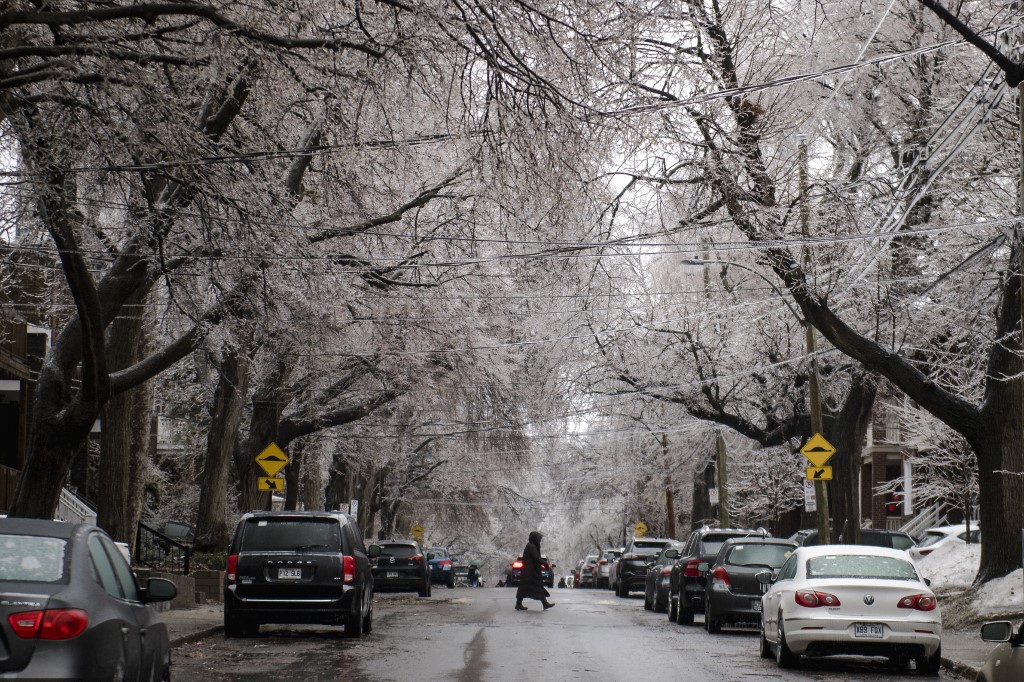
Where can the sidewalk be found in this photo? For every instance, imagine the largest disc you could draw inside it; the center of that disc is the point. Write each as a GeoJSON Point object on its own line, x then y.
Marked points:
{"type": "Point", "coordinates": [189, 625]}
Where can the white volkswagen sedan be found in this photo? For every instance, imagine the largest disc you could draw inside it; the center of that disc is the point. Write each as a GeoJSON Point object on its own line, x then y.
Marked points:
{"type": "Point", "coordinates": [850, 599]}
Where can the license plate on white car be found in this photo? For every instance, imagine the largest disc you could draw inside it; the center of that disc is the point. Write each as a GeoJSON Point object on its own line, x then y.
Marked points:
{"type": "Point", "coordinates": [392, 574]}
{"type": "Point", "coordinates": [289, 573]}
{"type": "Point", "coordinates": [872, 630]}
{"type": "Point", "coordinates": [756, 604]}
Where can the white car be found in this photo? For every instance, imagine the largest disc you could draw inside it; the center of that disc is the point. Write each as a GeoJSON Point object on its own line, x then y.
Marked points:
{"type": "Point", "coordinates": [850, 599]}
{"type": "Point", "coordinates": [936, 538]}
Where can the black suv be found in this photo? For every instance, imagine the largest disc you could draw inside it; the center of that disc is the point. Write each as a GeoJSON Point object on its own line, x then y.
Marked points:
{"type": "Point", "coordinates": [687, 581]}
{"type": "Point", "coordinates": [631, 569]}
{"type": "Point", "coordinates": [298, 567]}
{"type": "Point", "coordinates": [875, 537]}
{"type": "Point", "coordinates": [401, 567]}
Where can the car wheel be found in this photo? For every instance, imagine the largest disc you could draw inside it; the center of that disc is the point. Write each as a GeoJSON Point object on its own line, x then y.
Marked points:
{"type": "Point", "coordinates": [784, 657]}
{"type": "Point", "coordinates": [368, 619]}
{"type": "Point", "coordinates": [237, 626]}
{"type": "Point", "coordinates": [647, 601]}
{"type": "Point", "coordinates": [685, 611]}
{"type": "Point", "coordinates": [354, 622]}
{"type": "Point", "coordinates": [673, 613]}
{"type": "Point", "coordinates": [713, 625]}
{"type": "Point", "coordinates": [451, 584]}
{"type": "Point", "coordinates": [929, 665]}
{"type": "Point", "coordinates": [766, 648]}
{"type": "Point", "coordinates": [424, 591]}
{"type": "Point", "coordinates": [659, 605]}
{"type": "Point", "coordinates": [623, 590]}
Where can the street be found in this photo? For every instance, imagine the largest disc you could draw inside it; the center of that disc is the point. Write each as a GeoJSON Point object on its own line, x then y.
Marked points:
{"type": "Point", "coordinates": [474, 634]}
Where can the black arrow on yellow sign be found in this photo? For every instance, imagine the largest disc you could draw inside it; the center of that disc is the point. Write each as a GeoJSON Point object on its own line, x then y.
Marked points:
{"type": "Point", "coordinates": [270, 483]}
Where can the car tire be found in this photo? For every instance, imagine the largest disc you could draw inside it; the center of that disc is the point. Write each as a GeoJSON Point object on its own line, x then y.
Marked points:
{"type": "Point", "coordinates": [673, 611]}
{"type": "Point", "coordinates": [237, 626]}
{"type": "Point", "coordinates": [929, 665]}
{"type": "Point", "coordinates": [451, 584]}
{"type": "Point", "coordinates": [765, 648]}
{"type": "Point", "coordinates": [784, 656]}
{"type": "Point", "coordinates": [711, 624]}
{"type": "Point", "coordinates": [354, 622]}
{"type": "Point", "coordinates": [685, 611]}
{"type": "Point", "coordinates": [424, 591]}
{"type": "Point", "coordinates": [659, 606]}
{"type": "Point", "coordinates": [623, 590]}
{"type": "Point", "coordinates": [647, 601]}
{"type": "Point", "coordinates": [368, 619]}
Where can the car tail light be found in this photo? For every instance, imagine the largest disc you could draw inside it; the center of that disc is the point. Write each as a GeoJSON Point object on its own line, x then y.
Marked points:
{"type": "Point", "coordinates": [418, 557]}
{"type": "Point", "coordinates": [921, 602]}
{"type": "Point", "coordinates": [924, 552]}
{"type": "Point", "coordinates": [517, 564]}
{"type": "Point", "coordinates": [812, 599]}
{"type": "Point", "coordinates": [49, 624]}
{"type": "Point", "coordinates": [232, 568]}
{"type": "Point", "coordinates": [445, 562]}
{"type": "Point", "coordinates": [602, 562]}
{"type": "Point", "coordinates": [350, 569]}
{"type": "Point", "coordinates": [720, 576]}
{"type": "Point", "coordinates": [691, 570]}
{"type": "Point", "coordinates": [666, 570]}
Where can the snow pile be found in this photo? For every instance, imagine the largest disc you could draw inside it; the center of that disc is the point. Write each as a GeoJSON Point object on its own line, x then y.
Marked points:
{"type": "Point", "coordinates": [1003, 595]}
{"type": "Point", "coordinates": [953, 565]}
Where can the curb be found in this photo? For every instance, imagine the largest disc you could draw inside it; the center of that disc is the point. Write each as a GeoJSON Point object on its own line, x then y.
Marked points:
{"type": "Point", "coordinates": [196, 636]}
{"type": "Point", "coordinates": [961, 669]}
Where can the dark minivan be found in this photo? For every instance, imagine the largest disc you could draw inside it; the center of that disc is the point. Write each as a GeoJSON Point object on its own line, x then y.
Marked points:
{"type": "Point", "coordinates": [298, 567]}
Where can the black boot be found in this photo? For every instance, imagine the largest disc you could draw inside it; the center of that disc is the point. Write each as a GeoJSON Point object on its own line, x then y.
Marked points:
{"type": "Point", "coordinates": [519, 605]}
{"type": "Point", "coordinates": [547, 604]}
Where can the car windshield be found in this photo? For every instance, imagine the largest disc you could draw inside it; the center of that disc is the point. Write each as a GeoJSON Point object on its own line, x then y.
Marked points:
{"type": "Point", "coordinates": [26, 558]}
{"type": "Point", "coordinates": [648, 548]}
{"type": "Point", "coordinates": [759, 555]}
{"type": "Point", "coordinates": [860, 566]}
{"type": "Point", "coordinates": [288, 535]}
{"type": "Point", "coordinates": [398, 551]}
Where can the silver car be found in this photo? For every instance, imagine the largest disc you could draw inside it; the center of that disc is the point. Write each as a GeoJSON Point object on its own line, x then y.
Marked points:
{"type": "Point", "coordinates": [1006, 662]}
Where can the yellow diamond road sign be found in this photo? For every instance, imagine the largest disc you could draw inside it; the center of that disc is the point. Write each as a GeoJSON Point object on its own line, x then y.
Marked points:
{"type": "Point", "coordinates": [272, 460]}
{"type": "Point", "coordinates": [640, 529]}
{"type": "Point", "coordinates": [417, 531]}
{"type": "Point", "coordinates": [270, 483]}
{"type": "Point", "coordinates": [818, 450]}
{"type": "Point", "coordinates": [818, 473]}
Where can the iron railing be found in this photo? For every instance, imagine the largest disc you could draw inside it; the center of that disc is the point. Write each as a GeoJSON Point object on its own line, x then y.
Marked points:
{"type": "Point", "coordinates": [155, 550]}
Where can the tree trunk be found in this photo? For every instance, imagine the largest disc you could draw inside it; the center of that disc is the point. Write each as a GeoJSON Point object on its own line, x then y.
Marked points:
{"type": "Point", "coordinates": [847, 435]}
{"type": "Point", "coordinates": [336, 494]}
{"type": "Point", "coordinates": [212, 532]}
{"type": "Point", "coordinates": [293, 474]}
{"type": "Point", "coordinates": [313, 485]}
{"type": "Point", "coordinates": [268, 402]}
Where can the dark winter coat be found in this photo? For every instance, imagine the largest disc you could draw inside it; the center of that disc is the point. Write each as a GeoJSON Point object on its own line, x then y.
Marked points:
{"type": "Point", "coordinates": [531, 583]}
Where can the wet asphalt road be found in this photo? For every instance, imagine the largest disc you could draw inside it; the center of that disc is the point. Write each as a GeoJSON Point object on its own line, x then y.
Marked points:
{"type": "Point", "coordinates": [467, 634]}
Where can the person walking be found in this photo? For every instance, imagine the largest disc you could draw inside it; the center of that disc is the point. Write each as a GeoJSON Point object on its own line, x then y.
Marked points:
{"type": "Point", "coordinates": [531, 583]}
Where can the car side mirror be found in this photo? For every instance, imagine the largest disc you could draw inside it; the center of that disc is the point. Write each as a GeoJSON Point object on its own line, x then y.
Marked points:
{"type": "Point", "coordinates": [997, 631]}
{"type": "Point", "coordinates": [703, 567]}
{"type": "Point", "coordinates": [671, 553]}
{"type": "Point", "coordinates": [373, 551]}
{"type": "Point", "coordinates": [160, 589]}
{"type": "Point", "coordinates": [765, 577]}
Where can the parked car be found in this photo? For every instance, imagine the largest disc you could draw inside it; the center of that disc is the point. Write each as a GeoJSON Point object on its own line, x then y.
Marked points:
{"type": "Point", "coordinates": [576, 572]}
{"type": "Point", "coordinates": [71, 609]}
{"type": "Point", "coordinates": [514, 570]}
{"type": "Point", "coordinates": [941, 536]}
{"type": "Point", "coordinates": [1006, 662]}
{"type": "Point", "coordinates": [687, 582]}
{"type": "Point", "coordinates": [631, 568]}
{"type": "Point", "coordinates": [441, 563]}
{"type": "Point", "coordinates": [658, 574]}
{"type": "Point", "coordinates": [607, 558]}
{"type": "Point", "coordinates": [850, 599]}
{"type": "Point", "coordinates": [401, 567]}
{"type": "Point", "coordinates": [733, 594]}
{"type": "Point", "coordinates": [587, 570]}
{"type": "Point", "coordinates": [874, 537]}
{"type": "Point", "coordinates": [298, 567]}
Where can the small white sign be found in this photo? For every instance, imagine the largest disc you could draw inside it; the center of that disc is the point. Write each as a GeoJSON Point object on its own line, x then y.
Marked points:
{"type": "Point", "coordinates": [810, 499]}
{"type": "Point", "coordinates": [353, 507]}
{"type": "Point", "coordinates": [713, 495]}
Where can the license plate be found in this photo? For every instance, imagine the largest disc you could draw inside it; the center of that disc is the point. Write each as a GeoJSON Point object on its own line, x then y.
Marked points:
{"type": "Point", "coordinates": [873, 630]}
{"type": "Point", "coordinates": [392, 574]}
{"type": "Point", "coordinates": [289, 573]}
{"type": "Point", "coordinates": [756, 604]}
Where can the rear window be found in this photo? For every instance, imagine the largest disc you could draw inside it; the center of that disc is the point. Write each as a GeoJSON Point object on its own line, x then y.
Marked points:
{"type": "Point", "coordinates": [26, 558]}
{"type": "Point", "coordinates": [931, 538]}
{"type": "Point", "coordinates": [860, 566]}
{"type": "Point", "coordinates": [772, 556]}
{"type": "Point", "coordinates": [398, 551]}
{"type": "Point", "coordinates": [290, 535]}
{"type": "Point", "coordinates": [649, 548]}
{"type": "Point", "coordinates": [438, 552]}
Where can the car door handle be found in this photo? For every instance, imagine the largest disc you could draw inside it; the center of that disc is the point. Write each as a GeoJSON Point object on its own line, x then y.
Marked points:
{"type": "Point", "coordinates": [124, 632]}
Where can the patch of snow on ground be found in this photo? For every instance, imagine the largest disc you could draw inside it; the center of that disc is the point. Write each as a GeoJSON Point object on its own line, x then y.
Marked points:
{"type": "Point", "coordinates": [953, 565]}
{"type": "Point", "coordinates": [1003, 595]}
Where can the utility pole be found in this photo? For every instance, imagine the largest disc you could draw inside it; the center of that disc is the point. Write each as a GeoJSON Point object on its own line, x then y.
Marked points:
{"type": "Point", "coordinates": [820, 489]}
{"type": "Point", "coordinates": [670, 504]}
{"type": "Point", "coordinates": [723, 480]}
